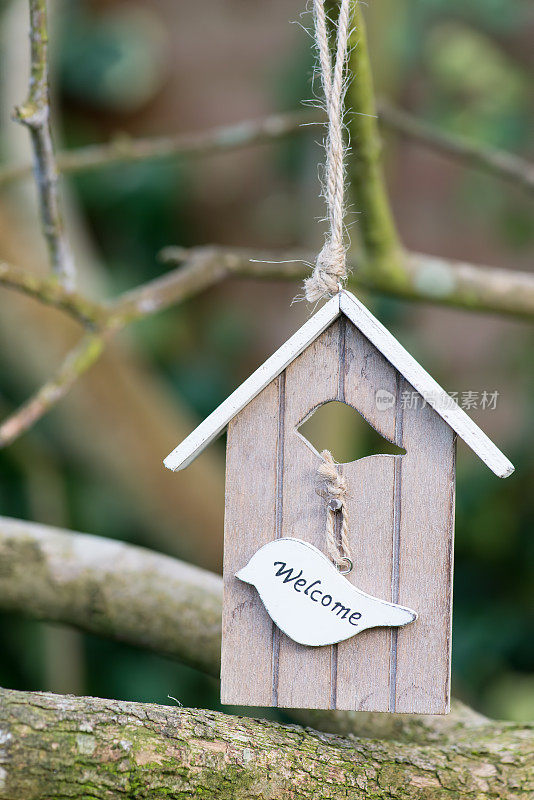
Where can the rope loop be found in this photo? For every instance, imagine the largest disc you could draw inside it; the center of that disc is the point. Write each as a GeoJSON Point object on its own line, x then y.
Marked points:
{"type": "Point", "coordinates": [330, 268]}
{"type": "Point", "coordinates": [335, 489]}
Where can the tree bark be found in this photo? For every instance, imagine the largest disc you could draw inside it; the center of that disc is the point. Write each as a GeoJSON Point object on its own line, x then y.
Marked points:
{"type": "Point", "coordinates": [112, 589]}
{"type": "Point", "coordinates": [148, 600]}
{"type": "Point", "coordinates": [63, 747]}
{"type": "Point", "coordinates": [422, 278]}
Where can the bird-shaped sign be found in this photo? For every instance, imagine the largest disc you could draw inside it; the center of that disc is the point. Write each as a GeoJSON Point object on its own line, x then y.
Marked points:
{"type": "Point", "coordinates": [309, 600]}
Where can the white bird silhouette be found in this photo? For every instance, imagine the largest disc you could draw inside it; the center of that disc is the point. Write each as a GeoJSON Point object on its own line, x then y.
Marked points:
{"type": "Point", "coordinates": [309, 600]}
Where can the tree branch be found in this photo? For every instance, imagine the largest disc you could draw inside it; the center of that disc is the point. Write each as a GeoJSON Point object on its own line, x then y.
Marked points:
{"type": "Point", "coordinates": [148, 600]}
{"type": "Point", "coordinates": [380, 244]}
{"type": "Point", "coordinates": [75, 364]}
{"type": "Point", "coordinates": [112, 589]}
{"type": "Point", "coordinates": [124, 150]}
{"type": "Point", "coordinates": [48, 291]}
{"type": "Point", "coordinates": [35, 114]}
{"type": "Point", "coordinates": [106, 749]}
{"type": "Point", "coordinates": [424, 278]}
{"type": "Point", "coordinates": [203, 267]}
{"type": "Point", "coordinates": [427, 279]}
{"type": "Point", "coordinates": [107, 319]}
{"type": "Point", "coordinates": [503, 165]}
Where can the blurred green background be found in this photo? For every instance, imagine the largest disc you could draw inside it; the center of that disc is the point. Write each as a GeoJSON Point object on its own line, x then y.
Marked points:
{"type": "Point", "coordinates": [94, 464]}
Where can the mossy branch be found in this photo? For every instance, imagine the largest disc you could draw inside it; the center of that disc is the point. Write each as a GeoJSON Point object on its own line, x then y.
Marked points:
{"type": "Point", "coordinates": [106, 749]}
{"type": "Point", "coordinates": [425, 278]}
{"type": "Point", "coordinates": [380, 244]}
{"type": "Point", "coordinates": [49, 291]}
{"type": "Point", "coordinates": [66, 747]}
{"type": "Point", "coordinates": [429, 279]}
{"type": "Point", "coordinates": [158, 603]}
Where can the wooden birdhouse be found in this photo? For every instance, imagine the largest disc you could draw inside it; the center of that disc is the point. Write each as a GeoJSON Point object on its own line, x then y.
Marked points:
{"type": "Point", "coordinates": [401, 510]}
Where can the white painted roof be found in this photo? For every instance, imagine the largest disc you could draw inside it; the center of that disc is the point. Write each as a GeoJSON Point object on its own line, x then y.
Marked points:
{"type": "Point", "coordinates": [413, 372]}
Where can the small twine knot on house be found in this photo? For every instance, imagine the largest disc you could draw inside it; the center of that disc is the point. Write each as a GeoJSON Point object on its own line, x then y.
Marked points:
{"type": "Point", "coordinates": [334, 491]}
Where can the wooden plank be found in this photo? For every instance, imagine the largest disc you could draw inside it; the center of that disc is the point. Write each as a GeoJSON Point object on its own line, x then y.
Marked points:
{"type": "Point", "coordinates": [426, 531]}
{"type": "Point", "coordinates": [401, 525]}
{"type": "Point", "coordinates": [250, 522]}
{"type": "Point", "coordinates": [433, 393]}
{"type": "Point", "coordinates": [216, 422]}
{"type": "Point", "coordinates": [363, 662]}
{"type": "Point", "coordinates": [304, 674]}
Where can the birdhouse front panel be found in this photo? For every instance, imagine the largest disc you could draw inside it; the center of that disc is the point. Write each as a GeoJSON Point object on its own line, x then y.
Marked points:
{"type": "Point", "coordinates": [401, 511]}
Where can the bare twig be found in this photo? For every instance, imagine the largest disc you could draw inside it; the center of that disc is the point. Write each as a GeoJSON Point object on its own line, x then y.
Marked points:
{"type": "Point", "coordinates": [124, 150]}
{"type": "Point", "coordinates": [75, 364]}
{"type": "Point", "coordinates": [201, 268]}
{"type": "Point", "coordinates": [35, 114]}
{"type": "Point", "coordinates": [503, 165]}
{"type": "Point", "coordinates": [48, 291]}
{"type": "Point", "coordinates": [106, 319]}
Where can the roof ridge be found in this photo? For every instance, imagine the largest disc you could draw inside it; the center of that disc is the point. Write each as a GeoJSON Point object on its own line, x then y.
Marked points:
{"type": "Point", "coordinates": [344, 302]}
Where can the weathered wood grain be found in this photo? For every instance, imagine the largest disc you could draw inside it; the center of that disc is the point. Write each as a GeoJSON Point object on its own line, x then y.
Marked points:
{"type": "Point", "coordinates": [401, 511]}
{"type": "Point", "coordinates": [426, 533]}
{"type": "Point", "coordinates": [304, 674]}
{"type": "Point", "coordinates": [250, 522]}
{"type": "Point", "coordinates": [364, 661]}
{"type": "Point", "coordinates": [433, 393]}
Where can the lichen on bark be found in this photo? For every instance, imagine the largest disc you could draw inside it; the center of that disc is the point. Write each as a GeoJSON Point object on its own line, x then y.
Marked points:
{"type": "Point", "coordinates": [64, 747]}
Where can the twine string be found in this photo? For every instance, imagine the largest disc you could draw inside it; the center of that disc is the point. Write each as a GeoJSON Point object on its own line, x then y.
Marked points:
{"type": "Point", "coordinates": [330, 268]}
{"type": "Point", "coordinates": [335, 491]}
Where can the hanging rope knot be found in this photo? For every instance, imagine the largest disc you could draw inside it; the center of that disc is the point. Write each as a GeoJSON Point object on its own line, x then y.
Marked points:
{"type": "Point", "coordinates": [334, 491]}
{"type": "Point", "coordinates": [330, 268]}
{"type": "Point", "coordinates": [329, 273]}
{"type": "Point", "coordinates": [335, 483]}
